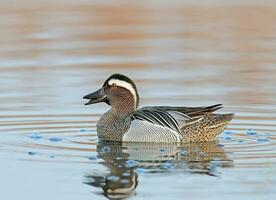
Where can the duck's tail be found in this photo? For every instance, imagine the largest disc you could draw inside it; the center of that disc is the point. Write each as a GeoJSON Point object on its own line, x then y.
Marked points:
{"type": "Point", "coordinates": [221, 119]}
{"type": "Point", "coordinates": [206, 129]}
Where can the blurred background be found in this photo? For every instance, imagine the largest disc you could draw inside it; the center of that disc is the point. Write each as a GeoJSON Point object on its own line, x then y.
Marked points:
{"type": "Point", "coordinates": [54, 52]}
{"type": "Point", "coordinates": [179, 53]}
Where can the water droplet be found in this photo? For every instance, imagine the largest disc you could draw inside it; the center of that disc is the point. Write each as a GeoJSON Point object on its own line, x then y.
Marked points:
{"type": "Point", "coordinates": [228, 132]}
{"type": "Point", "coordinates": [263, 140]}
{"type": "Point", "coordinates": [35, 136]}
{"type": "Point", "coordinates": [52, 156]}
{"type": "Point", "coordinates": [162, 149]}
{"type": "Point", "coordinates": [251, 132]}
{"type": "Point", "coordinates": [83, 130]}
{"type": "Point", "coordinates": [92, 157]}
{"type": "Point", "coordinates": [31, 153]}
{"type": "Point", "coordinates": [228, 138]}
{"type": "Point", "coordinates": [55, 139]}
{"type": "Point", "coordinates": [113, 178]}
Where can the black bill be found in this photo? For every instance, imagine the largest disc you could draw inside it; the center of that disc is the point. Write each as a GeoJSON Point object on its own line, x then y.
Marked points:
{"type": "Point", "coordinates": [96, 97]}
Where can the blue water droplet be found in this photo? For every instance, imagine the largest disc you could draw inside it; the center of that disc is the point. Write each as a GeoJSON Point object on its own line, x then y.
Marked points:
{"type": "Point", "coordinates": [55, 139]}
{"type": "Point", "coordinates": [83, 130]}
{"type": "Point", "coordinates": [162, 149]}
{"type": "Point", "coordinates": [31, 153]}
{"type": "Point", "coordinates": [92, 157]}
{"type": "Point", "coordinates": [251, 132]}
{"type": "Point", "coordinates": [106, 149]}
{"type": "Point", "coordinates": [52, 156]}
{"type": "Point", "coordinates": [35, 136]}
{"type": "Point", "coordinates": [140, 170]}
{"type": "Point", "coordinates": [228, 132]}
{"type": "Point", "coordinates": [113, 178]}
{"type": "Point", "coordinates": [263, 140]}
{"type": "Point", "coordinates": [228, 138]}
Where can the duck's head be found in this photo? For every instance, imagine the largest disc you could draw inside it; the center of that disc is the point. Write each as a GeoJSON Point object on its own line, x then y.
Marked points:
{"type": "Point", "coordinates": [118, 91]}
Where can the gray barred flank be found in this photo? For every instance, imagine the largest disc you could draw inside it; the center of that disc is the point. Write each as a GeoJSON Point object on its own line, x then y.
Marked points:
{"type": "Point", "coordinates": [142, 131]}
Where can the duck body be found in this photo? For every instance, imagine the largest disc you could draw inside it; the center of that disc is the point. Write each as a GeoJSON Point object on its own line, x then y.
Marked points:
{"type": "Point", "coordinates": [147, 125]}
{"type": "Point", "coordinates": [162, 124]}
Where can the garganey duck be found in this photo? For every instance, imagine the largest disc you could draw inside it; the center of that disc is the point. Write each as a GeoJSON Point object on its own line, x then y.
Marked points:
{"type": "Point", "coordinates": [163, 124]}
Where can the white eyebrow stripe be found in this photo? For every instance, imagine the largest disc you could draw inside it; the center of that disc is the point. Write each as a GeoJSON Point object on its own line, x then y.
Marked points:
{"type": "Point", "coordinates": [125, 85]}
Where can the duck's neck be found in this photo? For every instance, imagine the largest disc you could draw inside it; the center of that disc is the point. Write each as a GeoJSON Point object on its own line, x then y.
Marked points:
{"type": "Point", "coordinates": [116, 122]}
{"type": "Point", "coordinates": [124, 108]}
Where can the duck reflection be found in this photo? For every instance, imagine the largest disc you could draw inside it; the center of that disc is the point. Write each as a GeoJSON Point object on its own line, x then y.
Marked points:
{"type": "Point", "coordinates": [126, 160]}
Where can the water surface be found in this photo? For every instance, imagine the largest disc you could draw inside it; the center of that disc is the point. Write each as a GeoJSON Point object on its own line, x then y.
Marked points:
{"type": "Point", "coordinates": [179, 53]}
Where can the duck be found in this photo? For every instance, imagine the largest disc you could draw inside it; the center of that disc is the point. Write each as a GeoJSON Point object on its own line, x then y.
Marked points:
{"type": "Point", "coordinates": [125, 122]}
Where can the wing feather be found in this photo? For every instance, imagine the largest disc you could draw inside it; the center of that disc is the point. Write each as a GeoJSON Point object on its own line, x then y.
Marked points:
{"type": "Point", "coordinates": [165, 115]}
